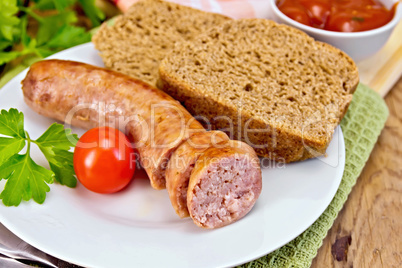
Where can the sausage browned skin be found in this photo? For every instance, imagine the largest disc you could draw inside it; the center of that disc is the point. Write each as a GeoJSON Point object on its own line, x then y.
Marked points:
{"type": "Point", "coordinates": [224, 185]}
{"type": "Point", "coordinates": [94, 96]}
{"type": "Point", "coordinates": [228, 180]}
{"type": "Point", "coordinates": [181, 165]}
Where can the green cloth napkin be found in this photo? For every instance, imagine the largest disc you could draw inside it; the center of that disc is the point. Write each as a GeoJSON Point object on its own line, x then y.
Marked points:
{"type": "Point", "coordinates": [361, 127]}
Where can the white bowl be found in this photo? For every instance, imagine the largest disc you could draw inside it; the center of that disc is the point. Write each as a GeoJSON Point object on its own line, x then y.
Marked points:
{"type": "Point", "coordinates": [358, 45]}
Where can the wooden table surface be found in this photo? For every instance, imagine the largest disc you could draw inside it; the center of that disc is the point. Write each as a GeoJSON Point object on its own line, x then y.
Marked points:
{"type": "Point", "coordinates": [368, 230]}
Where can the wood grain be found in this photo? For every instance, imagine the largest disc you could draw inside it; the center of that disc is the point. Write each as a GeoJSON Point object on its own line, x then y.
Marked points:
{"type": "Point", "coordinates": [368, 230]}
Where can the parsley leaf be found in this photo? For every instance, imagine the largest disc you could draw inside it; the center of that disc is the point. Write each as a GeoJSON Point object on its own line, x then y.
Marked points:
{"type": "Point", "coordinates": [5, 44]}
{"type": "Point", "coordinates": [53, 4]}
{"type": "Point", "coordinates": [48, 26]}
{"type": "Point", "coordinates": [61, 163]}
{"type": "Point", "coordinates": [8, 18]}
{"type": "Point", "coordinates": [26, 179]}
{"type": "Point", "coordinates": [9, 56]}
{"type": "Point", "coordinates": [12, 123]}
{"type": "Point", "coordinates": [54, 144]}
{"type": "Point", "coordinates": [69, 36]}
{"type": "Point", "coordinates": [28, 44]}
{"type": "Point", "coordinates": [9, 147]}
{"type": "Point", "coordinates": [25, 38]}
{"type": "Point", "coordinates": [17, 186]}
{"type": "Point", "coordinates": [94, 14]}
{"type": "Point", "coordinates": [58, 137]}
{"type": "Point", "coordinates": [57, 27]}
{"type": "Point", "coordinates": [61, 4]}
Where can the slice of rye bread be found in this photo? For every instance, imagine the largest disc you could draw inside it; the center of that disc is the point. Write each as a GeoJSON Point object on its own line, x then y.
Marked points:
{"type": "Point", "coordinates": [268, 84]}
{"type": "Point", "coordinates": [139, 39]}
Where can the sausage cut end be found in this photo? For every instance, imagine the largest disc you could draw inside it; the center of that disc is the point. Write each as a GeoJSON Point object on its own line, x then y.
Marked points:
{"type": "Point", "coordinates": [223, 188]}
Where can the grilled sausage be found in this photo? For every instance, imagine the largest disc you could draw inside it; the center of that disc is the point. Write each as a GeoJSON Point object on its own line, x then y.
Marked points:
{"type": "Point", "coordinates": [181, 165]}
{"type": "Point", "coordinates": [87, 96]}
{"type": "Point", "coordinates": [224, 185]}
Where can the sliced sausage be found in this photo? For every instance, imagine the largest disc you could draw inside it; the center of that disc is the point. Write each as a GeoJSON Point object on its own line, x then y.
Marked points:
{"type": "Point", "coordinates": [224, 185]}
{"type": "Point", "coordinates": [182, 163]}
{"type": "Point", "coordinates": [87, 96]}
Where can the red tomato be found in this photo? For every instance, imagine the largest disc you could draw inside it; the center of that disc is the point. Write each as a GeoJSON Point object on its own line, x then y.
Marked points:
{"type": "Point", "coordinates": [104, 161]}
{"type": "Point", "coordinates": [338, 15]}
{"type": "Point", "coordinates": [298, 14]}
{"type": "Point", "coordinates": [318, 11]}
{"type": "Point", "coordinates": [350, 20]}
{"type": "Point", "coordinates": [343, 22]}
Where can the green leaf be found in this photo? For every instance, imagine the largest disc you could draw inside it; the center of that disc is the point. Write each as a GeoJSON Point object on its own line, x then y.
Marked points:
{"type": "Point", "coordinates": [58, 137]}
{"type": "Point", "coordinates": [53, 4]}
{"type": "Point", "coordinates": [9, 147]}
{"type": "Point", "coordinates": [61, 163]}
{"type": "Point", "coordinates": [69, 36]}
{"type": "Point", "coordinates": [44, 4]}
{"type": "Point", "coordinates": [8, 18]}
{"type": "Point", "coordinates": [38, 176]}
{"type": "Point", "coordinates": [25, 38]}
{"type": "Point", "coordinates": [63, 168]}
{"type": "Point", "coordinates": [9, 56]}
{"type": "Point", "coordinates": [54, 144]}
{"type": "Point", "coordinates": [25, 180]}
{"type": "Point", "coordinates": [43, 52]}
{"type": "Point", "coordinates": [28, 61]}
{"type": "Point", "coordinates": [92, 11]}
{"type": "Point", "coordinates": [65, 175]}
{"type": "Point", "coordinates": [48, 26]}
{"type": "Point", "coordinates": [5, 44]}
{"type": "Point", "coordinates": [12, 123]}
{"type": "Point", "coordinates": [61, 4]}
{"type": "Point", "coordinates": [17, 186]}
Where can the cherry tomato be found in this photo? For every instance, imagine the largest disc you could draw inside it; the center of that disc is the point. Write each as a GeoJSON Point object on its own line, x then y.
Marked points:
{"type": "Point", "coordinates": [350, 20]}
{"type": "Point", "coordinates": [104, 161]}
{"type": "Point", "coordinates": [318, 11]}
{"type": "Point", "coordinates": [297, 13]}
{"type": "Point", "coordinates": [343, 22]}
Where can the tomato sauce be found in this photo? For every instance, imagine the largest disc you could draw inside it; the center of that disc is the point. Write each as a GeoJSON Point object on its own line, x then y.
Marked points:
{"type": "Point", "coordinates": [338, 15]}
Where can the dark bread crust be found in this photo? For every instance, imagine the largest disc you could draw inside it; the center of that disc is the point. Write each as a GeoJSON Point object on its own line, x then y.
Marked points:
{"type": "Point", "coordinates": [267, 77]}
{"type": "Point", "coordinates": [139, 39]}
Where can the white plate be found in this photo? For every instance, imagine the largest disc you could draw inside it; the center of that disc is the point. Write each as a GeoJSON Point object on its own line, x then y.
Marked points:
{"type": "Point", "coordinates": [138, 227]}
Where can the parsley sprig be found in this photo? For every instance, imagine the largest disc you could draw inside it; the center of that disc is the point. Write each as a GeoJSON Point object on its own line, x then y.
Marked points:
{"type": "Point", "coordinates": [25, 178]}
{"type": "Point", "coordinates": [57, 27]}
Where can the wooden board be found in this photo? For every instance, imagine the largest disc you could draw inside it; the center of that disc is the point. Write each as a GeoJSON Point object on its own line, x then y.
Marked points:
{"type": "Point", "coordinates": [381, 71]}
{"type": "Point", "coordinates": [368, 230]}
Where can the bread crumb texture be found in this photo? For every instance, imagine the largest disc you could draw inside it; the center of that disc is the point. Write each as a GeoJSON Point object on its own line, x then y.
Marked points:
{"type": "Point", "coordinates": [141, 38]}
{"type": "Point", "coordinates": [268, 84]}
